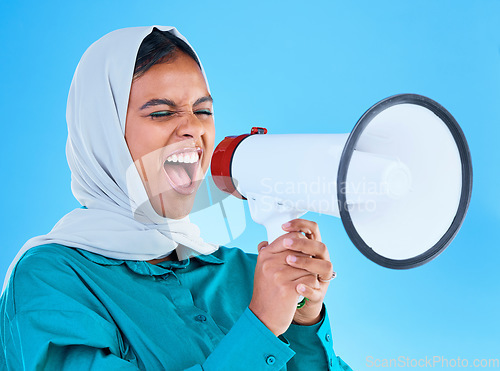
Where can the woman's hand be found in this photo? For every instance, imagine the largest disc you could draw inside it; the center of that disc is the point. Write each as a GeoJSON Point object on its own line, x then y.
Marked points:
{"type": "Point", "coordinates": [278, 279]}
{"type": "Point", "coordinates": [312, 257]}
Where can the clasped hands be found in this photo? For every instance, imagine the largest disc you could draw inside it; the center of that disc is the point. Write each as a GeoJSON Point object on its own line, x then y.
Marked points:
{"type": "Point", "coordinates": [287, 268]}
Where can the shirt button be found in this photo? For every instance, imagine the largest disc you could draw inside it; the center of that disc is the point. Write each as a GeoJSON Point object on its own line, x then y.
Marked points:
{"type": "Point", "coordinates": [327, 337]}
{"type": "Point", "coordinates": [331, 362]}
{"type": "Point", "coordinates": [200, 318]}
{"type": "Point", "coordinates": [270, 360]}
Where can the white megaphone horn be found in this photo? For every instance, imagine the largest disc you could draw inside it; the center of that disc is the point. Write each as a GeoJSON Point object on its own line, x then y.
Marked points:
{"type": "Point", "coordinates": [401, 181]}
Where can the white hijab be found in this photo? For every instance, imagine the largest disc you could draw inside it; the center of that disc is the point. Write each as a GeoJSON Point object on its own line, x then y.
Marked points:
{"type": "Point", "coordinates": [119, 221]}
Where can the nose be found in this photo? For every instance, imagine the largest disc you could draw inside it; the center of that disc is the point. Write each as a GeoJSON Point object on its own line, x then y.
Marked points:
{"type": "Point", "coordinates": [190, 127]}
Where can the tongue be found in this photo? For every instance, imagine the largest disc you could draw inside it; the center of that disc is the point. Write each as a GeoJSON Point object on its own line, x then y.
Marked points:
{"type": "Point", "coordinates": [178, 175]}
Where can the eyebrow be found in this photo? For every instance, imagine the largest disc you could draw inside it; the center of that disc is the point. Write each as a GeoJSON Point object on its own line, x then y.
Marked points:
{"type": "Point", "coordinates": [171, 103]}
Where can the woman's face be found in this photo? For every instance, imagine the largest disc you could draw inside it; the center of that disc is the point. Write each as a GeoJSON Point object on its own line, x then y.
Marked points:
{"type": "Point", "coordinates": [170, 133]}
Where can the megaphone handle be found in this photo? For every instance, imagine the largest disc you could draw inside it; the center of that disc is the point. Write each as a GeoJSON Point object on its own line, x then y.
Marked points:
{"type": "Point", "coordinates": [274, 230]}
{"type": "Point", "coordinates": [273, 223]}
{"type": "Point", "coordinates": [272, 215]}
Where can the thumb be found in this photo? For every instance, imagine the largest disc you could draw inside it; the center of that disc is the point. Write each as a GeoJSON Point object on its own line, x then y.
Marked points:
{"type": "Point", "coordinates": [261, 245]}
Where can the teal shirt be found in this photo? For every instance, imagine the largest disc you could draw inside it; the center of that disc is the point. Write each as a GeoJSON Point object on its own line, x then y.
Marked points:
{"type": "Point", "coordinates": [66, 308]}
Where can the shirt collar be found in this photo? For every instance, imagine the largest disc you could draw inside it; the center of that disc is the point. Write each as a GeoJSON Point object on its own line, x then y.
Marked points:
{"type": "Point", "coordinates": [145, 268]}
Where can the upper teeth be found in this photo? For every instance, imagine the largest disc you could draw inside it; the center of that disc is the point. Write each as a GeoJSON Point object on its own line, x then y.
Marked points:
{"type": "Point", "coordinates": [187, 158]}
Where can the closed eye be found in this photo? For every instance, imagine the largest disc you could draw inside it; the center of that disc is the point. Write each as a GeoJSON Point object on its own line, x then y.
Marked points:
{"type": "Point", "coordinates": [159, 114]}
{"type": "Point", "coordinates": [203, 112]}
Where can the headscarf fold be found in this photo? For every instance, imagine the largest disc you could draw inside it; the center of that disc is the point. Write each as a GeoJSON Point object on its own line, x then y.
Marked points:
{"type": "Point", "coordinates": [117, 220]}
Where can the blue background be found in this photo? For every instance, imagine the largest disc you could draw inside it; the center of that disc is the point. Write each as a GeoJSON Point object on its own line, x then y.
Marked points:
{"type": "Point", "coordinates": [293, 68]}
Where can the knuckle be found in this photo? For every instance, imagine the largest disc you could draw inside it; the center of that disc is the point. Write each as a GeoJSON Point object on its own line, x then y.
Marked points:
{"type": "Point", "coordinates": [281, 238]}
{"type": "Point", "coordinates": [329, 265]}
{"type": "Point", "coordinates": [261, 259]}
{"type": "Point", "coordinates": [308, 281]}
{"type": "Point", "coordinates": [311, 280]}
{"type": "Point", "coordinates": [316, 295]}
{"type": "Point", "coordinates": [284, 291]}
{"type": "Point", "coordinates": [321, 248]}
{"type": "Point", "coordinates": [278, 275]}
{"type": "Point", "coordinates": [266, 267]}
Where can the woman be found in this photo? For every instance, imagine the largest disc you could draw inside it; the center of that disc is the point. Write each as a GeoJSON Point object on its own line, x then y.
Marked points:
{"type": "Point", "coordinates": [126, 282]}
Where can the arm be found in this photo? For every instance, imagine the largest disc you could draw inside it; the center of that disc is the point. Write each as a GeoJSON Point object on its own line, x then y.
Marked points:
{"type": "Point", "coordinates": [54, 321]}
{"type": "Point", "coordinates": [61, 340]}
{"type": "Point", "coordinates": [50, 340]}
{"type": "Point", "coordinates": [251, 344]}
{"type": "Point", "coordinates": [314, 347]}
{"type": "Point", "coordinates": [293, 264]}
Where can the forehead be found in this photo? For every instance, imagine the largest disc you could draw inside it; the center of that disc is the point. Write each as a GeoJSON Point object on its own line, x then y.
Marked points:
{"type": "Point", "coordinates": [180, 78]}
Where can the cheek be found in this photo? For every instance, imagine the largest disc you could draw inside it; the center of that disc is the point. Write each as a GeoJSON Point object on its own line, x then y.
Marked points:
{"type": "Point", "coordinates": [209, 144]}
{"type": "Point", "coordinates": [146, 139]}
{"type": "Point", "coordinates": [134, 137]}
{"type": "Point", "coordinates": [210, 133]}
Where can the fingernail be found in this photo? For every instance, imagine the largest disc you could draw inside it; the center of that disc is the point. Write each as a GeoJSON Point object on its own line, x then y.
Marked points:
{"type": "Point", "coordinates": [291, 258]}
{"type": "Point", "coordinates": [302, 288]}
{"type": "Point", "coordinates": [286, 225]}
{"type": "Point", "coordinates": [287, 242]}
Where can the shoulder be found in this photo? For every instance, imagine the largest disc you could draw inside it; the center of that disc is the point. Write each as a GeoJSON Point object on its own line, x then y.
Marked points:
{"type": "Point", "coordinates": [49, 254]}
{"type": "Point", "coordinates": [44, 273]}
{"type": "Point", "coordinates": [44, 260]}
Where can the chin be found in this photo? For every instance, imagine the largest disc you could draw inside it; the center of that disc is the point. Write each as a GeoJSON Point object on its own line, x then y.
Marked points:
{"type": "Point", "coordinates": [176, 207]}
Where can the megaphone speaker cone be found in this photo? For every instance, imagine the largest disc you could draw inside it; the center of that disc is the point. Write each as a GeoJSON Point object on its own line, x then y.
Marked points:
{"type": "Point", "coordinates": [431, 186]}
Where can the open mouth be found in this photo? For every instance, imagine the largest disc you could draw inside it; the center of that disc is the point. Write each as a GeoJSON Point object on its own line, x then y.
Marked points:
{"type": "Point", "coordinates": [181, 168]}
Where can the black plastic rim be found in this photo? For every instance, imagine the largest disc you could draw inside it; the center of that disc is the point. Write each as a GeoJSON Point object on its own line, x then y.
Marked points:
{"type": "Point", "coordinates": [465, 196]}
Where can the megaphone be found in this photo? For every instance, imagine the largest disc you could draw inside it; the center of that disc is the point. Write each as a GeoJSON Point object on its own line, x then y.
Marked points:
{"type": "Point", "coordinates": [401, 181]}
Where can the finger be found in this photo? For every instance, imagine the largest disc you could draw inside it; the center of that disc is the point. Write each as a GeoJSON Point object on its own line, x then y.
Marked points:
{"type": "Point", "coordinates": [277, 245]}
{"type": "Point", "coordinates": [299, 275]}
{"type": "Point", "coordinates": [309, 247]}
{"type": "Point", "coordinates": [308, 227]}
{"type": "Point", "coordinates": [312, 294]}
{"type": "Point", "coordinates": [308, 280]}
{"type": "Point", "coordinates": [320, 267]}
{"type": "Point", "coordinates": [261, 245]}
